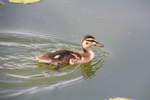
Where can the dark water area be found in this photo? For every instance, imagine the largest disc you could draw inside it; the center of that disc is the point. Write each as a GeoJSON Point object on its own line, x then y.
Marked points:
{"type": "Point", "coordinates": [123, 26]}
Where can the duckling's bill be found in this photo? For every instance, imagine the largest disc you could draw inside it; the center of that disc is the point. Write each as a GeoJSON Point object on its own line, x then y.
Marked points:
{"type": "Point", "coordinates": [98, 44]}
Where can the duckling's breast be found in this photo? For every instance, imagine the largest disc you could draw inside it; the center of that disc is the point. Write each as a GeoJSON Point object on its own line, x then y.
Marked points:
{"type": "Point", "coordinates": [87, 56]}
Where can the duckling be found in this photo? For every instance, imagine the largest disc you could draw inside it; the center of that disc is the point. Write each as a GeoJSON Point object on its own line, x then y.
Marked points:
{"type": "Point", "coordinates": [64, 56]}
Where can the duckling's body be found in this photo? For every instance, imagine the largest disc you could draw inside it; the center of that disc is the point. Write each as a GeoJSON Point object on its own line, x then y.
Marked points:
{"type": "Point", "coordinates": [63, 56]}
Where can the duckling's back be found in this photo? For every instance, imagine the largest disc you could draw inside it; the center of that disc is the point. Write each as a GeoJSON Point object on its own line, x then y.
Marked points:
{"type": "Point", "coordinates": [58, 57]}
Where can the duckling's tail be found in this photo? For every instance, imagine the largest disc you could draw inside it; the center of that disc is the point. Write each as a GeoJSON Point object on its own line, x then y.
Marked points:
{"type": "Point", "coordinates": [37, 57]}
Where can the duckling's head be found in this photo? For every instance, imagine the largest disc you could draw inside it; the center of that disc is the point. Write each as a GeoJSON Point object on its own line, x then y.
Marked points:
{"type": "Point", "coordinates": [89, 41]}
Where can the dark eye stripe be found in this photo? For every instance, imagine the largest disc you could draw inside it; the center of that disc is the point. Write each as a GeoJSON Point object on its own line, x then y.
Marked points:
{"type": "Point", "coordinates": [91, 40]}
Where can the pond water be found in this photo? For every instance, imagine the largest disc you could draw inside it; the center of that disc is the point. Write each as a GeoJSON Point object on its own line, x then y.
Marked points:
{"type": "Point", "coordinates": [123, 26]}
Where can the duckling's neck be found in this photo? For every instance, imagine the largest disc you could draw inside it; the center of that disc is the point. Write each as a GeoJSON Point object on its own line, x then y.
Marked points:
{"type": "Point", "coordinates": [85, 50]}
{"type": "Point", "coordinates": [88, 54]}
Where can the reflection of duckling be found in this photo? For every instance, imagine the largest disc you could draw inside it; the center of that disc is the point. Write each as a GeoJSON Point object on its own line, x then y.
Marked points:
{"type": "Point", "coordinates": [63, 56]}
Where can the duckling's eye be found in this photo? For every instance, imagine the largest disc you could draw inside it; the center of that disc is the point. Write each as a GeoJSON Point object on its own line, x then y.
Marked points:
{"type": "Point", "coordinates": [87, 42]}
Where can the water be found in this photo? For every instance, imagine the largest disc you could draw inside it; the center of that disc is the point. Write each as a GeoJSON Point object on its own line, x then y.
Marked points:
{"type": "Point", "coordinates": [121, 25]}
{"type": "Point", "coordinates": [22, 74]}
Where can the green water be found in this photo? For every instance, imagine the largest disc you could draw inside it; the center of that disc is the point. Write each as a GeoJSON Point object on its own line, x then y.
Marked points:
{"type": "Point", "coordinates": [22, 74]}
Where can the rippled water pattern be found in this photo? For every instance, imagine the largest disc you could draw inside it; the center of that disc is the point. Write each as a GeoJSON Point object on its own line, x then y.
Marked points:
{"type": "Point", "coordinates": [20, 73]}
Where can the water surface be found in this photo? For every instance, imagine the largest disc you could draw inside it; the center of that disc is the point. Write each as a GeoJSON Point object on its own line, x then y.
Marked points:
{"type": "Point", "coordinates": [123, 26]}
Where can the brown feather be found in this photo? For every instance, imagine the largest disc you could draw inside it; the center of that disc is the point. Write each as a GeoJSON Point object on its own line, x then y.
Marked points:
{"type": "Point", "coordinates": [59, 57]}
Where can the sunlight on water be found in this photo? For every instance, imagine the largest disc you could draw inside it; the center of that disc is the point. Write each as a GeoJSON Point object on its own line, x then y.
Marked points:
{"type": "Point", "coordinates": [20, 73]}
